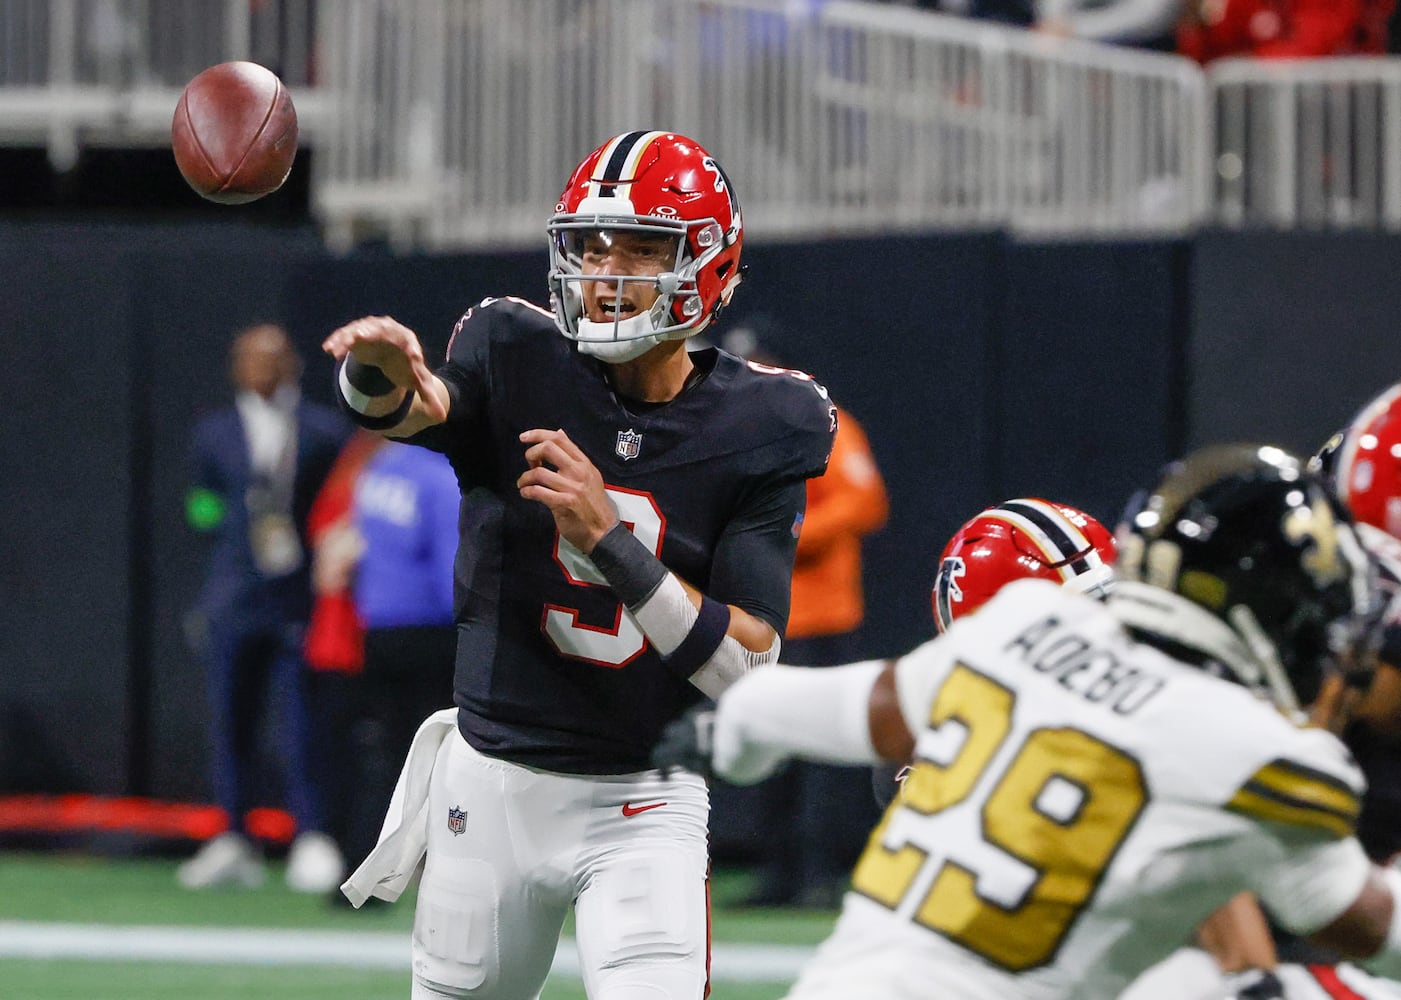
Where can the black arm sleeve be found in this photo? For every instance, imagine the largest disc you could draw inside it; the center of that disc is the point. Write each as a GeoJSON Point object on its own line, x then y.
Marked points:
{"type": "Point", "coordinates": [753, 567]}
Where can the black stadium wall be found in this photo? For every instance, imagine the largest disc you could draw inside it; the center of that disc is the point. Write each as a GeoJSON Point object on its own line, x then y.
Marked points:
{"type": "Point", "coordinates": [981, 367]}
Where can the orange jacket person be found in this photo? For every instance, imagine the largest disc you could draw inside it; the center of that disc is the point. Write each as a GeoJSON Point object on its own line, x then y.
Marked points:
{"type": "Point", "coordinates": [813, 814]}
{"type": "Point", "coordinates": [844, 504]}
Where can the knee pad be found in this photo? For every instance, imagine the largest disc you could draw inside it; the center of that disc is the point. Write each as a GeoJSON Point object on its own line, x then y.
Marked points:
{"type": "Point", "coordinates": [455, 940]}
{"type": "Point", "coordinates": [650, 908]}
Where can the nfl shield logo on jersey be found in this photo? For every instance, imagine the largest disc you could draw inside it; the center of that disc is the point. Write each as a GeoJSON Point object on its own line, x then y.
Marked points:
{"type": "Point", "coordinates": [457, 821]}
{"type": "Point", "coordinates": [629, 444]}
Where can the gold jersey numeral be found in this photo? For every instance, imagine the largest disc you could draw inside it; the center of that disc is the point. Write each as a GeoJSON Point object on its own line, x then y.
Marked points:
{"type": "Point", "coordinates": [1061, 808]}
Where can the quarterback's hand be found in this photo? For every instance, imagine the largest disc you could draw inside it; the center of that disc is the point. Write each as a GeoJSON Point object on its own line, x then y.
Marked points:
{"type": "Point", "coordinates": [687, 743]}
{"type": "Point", "coordinates": [1254, 984]}
{"type": "Point", "coordinates": [565, 480]}
{"type": "Point", "coordinates": [395, 350]}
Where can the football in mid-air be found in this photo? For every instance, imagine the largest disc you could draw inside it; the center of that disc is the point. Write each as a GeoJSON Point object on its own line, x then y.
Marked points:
{"type": "Point", "coordinates": [234, 132]}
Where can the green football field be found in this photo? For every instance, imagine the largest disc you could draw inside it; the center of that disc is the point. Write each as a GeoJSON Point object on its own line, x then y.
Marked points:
{"type": "Point", "coordinates": [79, 927]}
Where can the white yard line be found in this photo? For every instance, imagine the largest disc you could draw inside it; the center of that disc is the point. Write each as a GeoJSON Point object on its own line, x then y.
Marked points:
{"type": "Point", "coordinates": [357, 949]}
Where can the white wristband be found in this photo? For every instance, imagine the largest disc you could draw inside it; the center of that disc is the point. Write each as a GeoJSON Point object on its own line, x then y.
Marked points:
{"type": "Point", "coordinates": [729, 663]}
{"type": "Point", "coordinates": [667, 615]}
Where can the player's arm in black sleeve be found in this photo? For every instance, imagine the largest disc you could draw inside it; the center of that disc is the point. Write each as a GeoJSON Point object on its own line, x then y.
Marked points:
{"type": "Point", "coordinates": [715, 638]}
{"type": "Point", "coordinates": [712, 639]}
{"type": "Point", "coordinates": [753, 564]}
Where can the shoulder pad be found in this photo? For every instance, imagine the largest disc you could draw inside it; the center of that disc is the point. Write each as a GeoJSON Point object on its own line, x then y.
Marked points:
{"type": "Point", "coordinates": [495, 320]}
{"type": "Point", "coordinates": [800, 405]}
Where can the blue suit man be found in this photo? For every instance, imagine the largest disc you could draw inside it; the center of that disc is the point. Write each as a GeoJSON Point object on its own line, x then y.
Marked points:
{"type": "Point", "coordinates": [257, 466]}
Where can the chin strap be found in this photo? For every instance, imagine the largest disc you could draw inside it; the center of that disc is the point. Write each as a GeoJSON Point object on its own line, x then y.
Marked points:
{"type": "Point", "coordinates": [623, 342]}
{"type": "Point", "coordinates": [616, 352]}
{"type": "Point", "coordinates": [628, 339]}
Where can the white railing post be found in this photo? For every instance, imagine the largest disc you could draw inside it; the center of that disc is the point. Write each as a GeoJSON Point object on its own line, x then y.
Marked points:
{"type": "Point", "coordinates": [238, 31]}
{"type": "Point", "coordinates": [63, 44]}
{"type": "Point", "coordinates": [1390, 148]}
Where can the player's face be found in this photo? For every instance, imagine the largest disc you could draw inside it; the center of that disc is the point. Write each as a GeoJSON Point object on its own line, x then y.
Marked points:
{"type": "Point", "coordinates": [614, 252]}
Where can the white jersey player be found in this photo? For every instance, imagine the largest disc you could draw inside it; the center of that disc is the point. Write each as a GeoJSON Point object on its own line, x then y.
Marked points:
{"type": "Point", "coordinates": [1193, 974]}
{"type": "Point", "coordinates": [1091, 779]}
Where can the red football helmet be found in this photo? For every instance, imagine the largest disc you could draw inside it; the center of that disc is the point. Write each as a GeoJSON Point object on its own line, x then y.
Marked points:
{"type": "Point", "coordinates": [657, 183]}
{"type": "Point", "coordinates": [1366, 463]}
{"type": "Point", "coordinates": [1016, 539]}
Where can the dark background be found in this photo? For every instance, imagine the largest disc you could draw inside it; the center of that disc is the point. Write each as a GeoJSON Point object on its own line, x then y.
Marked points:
{"type": "Point", "coordinates": [982, 368]}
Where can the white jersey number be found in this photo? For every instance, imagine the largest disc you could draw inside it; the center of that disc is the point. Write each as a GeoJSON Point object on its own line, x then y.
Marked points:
{"type": "Point", "coordinates": [1055, 816]}
{"type": "Point", "coordinates": [620, 644]}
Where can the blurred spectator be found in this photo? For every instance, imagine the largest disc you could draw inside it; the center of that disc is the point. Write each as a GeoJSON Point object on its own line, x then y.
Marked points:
{"type": "Point", "coordinates": [1146, 24]}
{"type": "Point", "coordinates": [335, 635]}
{"type": "Point", "coordinates": [1141, 23]}
{"type": "Point", "coordinates": [1019, 12]}
{"type": "Point", "coordinates": [1284, 29]}
{"type": "Point", "coordinates": [405, 512]}
{"type": "Point", "coordinates": [818, 816]}
{"type": "Point", "coordinates": [257, 465]}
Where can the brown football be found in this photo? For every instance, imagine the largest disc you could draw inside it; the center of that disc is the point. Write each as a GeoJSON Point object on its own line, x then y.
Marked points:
{"type": "Point", "coordinates": [234, 132]}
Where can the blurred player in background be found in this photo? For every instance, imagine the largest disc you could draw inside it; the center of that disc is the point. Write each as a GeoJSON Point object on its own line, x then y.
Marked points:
{"type": "Point", "coordinates": [1360, 463]}
{"type": "Point", "coordinates": [814, 817]}
{"type": "Point", "coordinates": [630, 513]}
{"type": "Point", "coordinates": [1363, 464]}
{"type": "Point", "coordinates": [258, 465]}
{"type": "Point", "coordinates": [405, 514]}
{"type": "Point", "coordinates": [1283, 29]}
{"type": "Point", "coordinates": [334, 647]}
{"type": "Point", "coordinates": [1091, 779]}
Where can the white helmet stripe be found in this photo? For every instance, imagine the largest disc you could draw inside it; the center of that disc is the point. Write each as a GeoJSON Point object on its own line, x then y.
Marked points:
{"type": "Point", "coordinates": [618, 162]}
{"type": "Point", "coordinates": [1063, 545]}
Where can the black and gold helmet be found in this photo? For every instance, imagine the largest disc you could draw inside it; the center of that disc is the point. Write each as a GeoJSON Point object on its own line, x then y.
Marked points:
{"type": "Point", "coordinates": [1247, 533]}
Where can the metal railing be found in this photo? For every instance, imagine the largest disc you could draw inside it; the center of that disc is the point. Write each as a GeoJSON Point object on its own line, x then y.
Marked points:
{"type": "Point", "coordinates": [456, 123]}
{"type": "Point", "coordinates": [1307, 144]}
{"type": "Point", "coordinates": [76, 72]}
{"type": "Point", "coordinates": [453, 123]}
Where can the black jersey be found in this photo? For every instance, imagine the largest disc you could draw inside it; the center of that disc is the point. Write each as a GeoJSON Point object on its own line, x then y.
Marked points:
{"type": "Point", "coordinates": [552, 671]}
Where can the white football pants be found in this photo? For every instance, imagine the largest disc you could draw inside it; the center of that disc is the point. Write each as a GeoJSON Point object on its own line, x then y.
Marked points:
{"type": "Point", "coordinates": [511, 848]}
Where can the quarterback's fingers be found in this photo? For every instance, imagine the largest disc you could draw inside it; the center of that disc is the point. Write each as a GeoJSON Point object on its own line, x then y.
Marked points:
{"type": "Point", "coordinates": [534, 439]}
{"type": "Point", "coordinates": [549, 451]}
{"type": "Point", "coordinates": [537, 434]}
{"type": "Point", "coordinates": [534, 491]}
{"type": "Point", "coordinates": [561, 440]}
{"type": "Point", "coordinates": [562, 489]}
{"type": "Point", "coordinates": [376, 340]}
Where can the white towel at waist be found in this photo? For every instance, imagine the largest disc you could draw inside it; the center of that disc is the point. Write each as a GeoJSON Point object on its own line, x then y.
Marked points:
{"type": "Point", "coordinates": [404, 837]}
